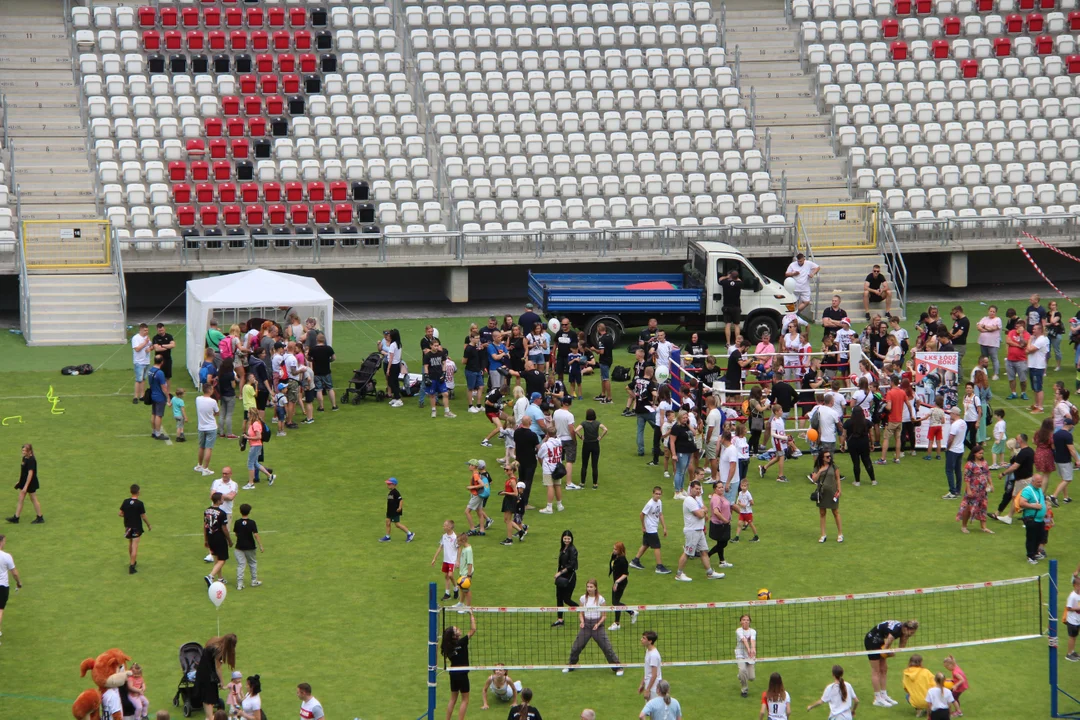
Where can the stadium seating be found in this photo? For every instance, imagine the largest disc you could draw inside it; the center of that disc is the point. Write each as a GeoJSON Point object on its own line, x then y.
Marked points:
{"type": "Point", "coordinates": [951, 108]}
{"type": "Point", "coordinates": [220, 117]}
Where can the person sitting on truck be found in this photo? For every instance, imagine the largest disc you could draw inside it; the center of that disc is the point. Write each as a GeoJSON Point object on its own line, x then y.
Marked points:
{"type": "Point", "coordinates": [647, 340]}
{"type": "Point", "coordinates": [802, 270]}
{"type": "Point", "coordinates": [731, 309]}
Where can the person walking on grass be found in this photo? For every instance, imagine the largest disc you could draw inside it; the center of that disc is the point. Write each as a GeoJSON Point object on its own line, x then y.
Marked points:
{"type": "Point", "coordinates": [159, 396]}
{"type": "Point", "coordinates": [448, 546]}
{"type": "Point", "coordinates": [780, 441]}
{"type": "Point", "coordinates": [1017, 474]}
{"type": "Point", "coordinates": [954, 453]}
{"type": "Point", "coordinates": [206, 411]}
{"type": "Point", "coordinates": [746, 653]}
{"type": "Point", "coordinates": [395, 506]}
{"type": "Point", "coordinates": [510, 505]}
{"type": "Point", "coordinates": [694, 535]}
{"type": "Point", "coordinates": [465, 568]}
{"type": "Point", "coordinates": [827, 495]}
{"type": "Point", "coordinates": [7, 570]}
{"type": "Point", "coordinates": [180, 413]}
{"type": "Point", "coordinates": [228, 489]}
{"type": "Point", "coordinates": [1016, 359]}
{"type": "Point", "coordinates": [134, 513]}
{"type": "Point", "coordinates": [455, 648]}
{"type": "Point", "coordinates": [1033, 507]}
{"type": "Point", "coordinates": [247, 538]}
{"type": "Point", "coordinates": [840, 697]}
{"type": "Point", "coordinates": [140, 359]}
{"type": "Point", "coordinates": [1066, 461]}
{"type": "Point", "coordinates": [565, 575]}
{"type": "Point", "coordinates": [310, 708]}
{"type": "Point", "coordinates": [216, 538]}
{"type": "Point", "coordinates": [565, 430]}
{"type": "Point", "coordinates": [619, 571]}
{"type": "Point", "coordinates": [1037, 350]}
{"type": "Point", "coordinates": [435, 364]}
{"type": "Point", "coordinates": [652, 520]}
{"type": "Point", "coordinates": [254, 434]}
{"type": "Point", "coordinates": [591, 627]}
{"type": "Point", "coordinates": [653, 674]}
{"type": "Point", "coordinates": [479, 491]}
{"type": "Point", "coordinates": [977, 483]}
{"type": "Point", "coordinates": [592, 431]}
{"type": "Point", "coordinates": [28, 485]}
{"type": "Point", "coordinates": [320, 356]}
{"type": "Point", "coordinates": [550, 455]}
{"type": "Point", "coordinates": [719, 524]}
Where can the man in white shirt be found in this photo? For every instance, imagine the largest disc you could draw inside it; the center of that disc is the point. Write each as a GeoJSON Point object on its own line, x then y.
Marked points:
{"type": "Point", "coordinates": [310, 708]}
{"type": "Point", "coordinates": [206, 410]}
{"type": "Point", "coordinates": [292, 391]}
{"type": "Point", "coordinates": [652, 518]}
{"type": "Point", "coordinates": [140, 359]}
{"type": "Point", "coordinates": [728, 475]}
{"type": "Point", "coordinates": [954, 453]}
{"type": "Point", "coordinates": [828, 424]}
{"type": "Point", "coordinates": [1037, 350]}
{"type": "Point", "coordinates": [653, 672]}
{"type": "Point", "coordinates": [802, 270]}
{"type": "Point", "coordinates": [694, 534]}
{"type": "Point", "coordinates": [714, 425]}
{"type": "Point", "coordinates": [563, 420]}
{"type": "Point", "coordinates": [663, 350]}
{"type": "Point", "coordinates": [7, 567]}
{"type": "Point", "coordinates": [228, 489]}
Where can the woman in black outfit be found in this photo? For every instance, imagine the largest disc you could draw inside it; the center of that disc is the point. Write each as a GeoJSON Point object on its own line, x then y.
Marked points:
{"type": "Point", "coordinates": [619, 570]}
{"type": "Point", "coordinates": [516, 347]}
{"type": "Point", "coordinates": [217, 651]}
{"type": "Point", "coordinates": [524, 711]}
{"type": "Point", "coordinates": [393, 369]}
{"type": "Point", "coordinates": [592, 431]}
{"type": "Point", "coordinates": [28, 485]}
{"type": "Point", "coordinates": [455, 648]}
{"type": "Point", "coordinates": [756, 414]}
{"type": "Point", "coordinates": [566, 577]}
{"type": "Point", "coordinates": [857, 432]}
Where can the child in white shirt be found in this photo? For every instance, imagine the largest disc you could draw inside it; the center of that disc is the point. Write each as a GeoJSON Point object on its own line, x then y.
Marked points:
{"type": "Point", "coordinates": [780, 442]}
{"type": "Point", "coordinates": [997, 450]}
{"type": "Point", "coordinates": [740, 443]}
{"type": "Point", "coordinates": [936, 432]}
{"type": "Point", "coordinates": [665, 430]}
{"type": "Point", "coordinates": [280, 403]}
{"type": "Point", "coordinates": [745, 507]}
{"type": "Point", "coordinates": [1072, 617]}
{"type": "Point", "coordinates": [450, 367]}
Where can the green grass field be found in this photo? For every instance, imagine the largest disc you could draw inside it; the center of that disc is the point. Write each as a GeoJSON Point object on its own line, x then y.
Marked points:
{"type": "Point", "coordinates": [348, 615]}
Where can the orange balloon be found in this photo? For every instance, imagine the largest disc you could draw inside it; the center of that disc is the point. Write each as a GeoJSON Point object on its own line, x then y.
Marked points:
{"type": "Point", "coordinates": [812, 435]}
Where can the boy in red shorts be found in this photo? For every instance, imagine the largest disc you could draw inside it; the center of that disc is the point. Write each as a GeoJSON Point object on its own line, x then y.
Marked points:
{"type": "Point", "coordinates": [449, 546]}
{"type": "Point", "coordinates": [745, 506]}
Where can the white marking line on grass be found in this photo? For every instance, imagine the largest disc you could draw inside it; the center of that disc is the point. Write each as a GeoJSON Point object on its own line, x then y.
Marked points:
{"type": "Point", "coordinates": [64, 396]}
{"type": "Point", "coordinates": [1021, 409]}
{"type": "Point", "coordinates": [261, 532]}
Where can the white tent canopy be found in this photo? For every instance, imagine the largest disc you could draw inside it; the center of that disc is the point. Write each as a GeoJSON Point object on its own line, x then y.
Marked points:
{"type": "Point", "coordinates": [251, 289]}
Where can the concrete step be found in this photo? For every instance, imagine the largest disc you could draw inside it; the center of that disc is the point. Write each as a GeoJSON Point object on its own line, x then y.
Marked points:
{"type": "Point", "coordinates": [68, 210]}
{"type": "Point", "coordinates": [80, 308]}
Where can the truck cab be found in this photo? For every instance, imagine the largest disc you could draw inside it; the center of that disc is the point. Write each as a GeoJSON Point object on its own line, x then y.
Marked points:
{"type": "Point", "coordinates": [764, 301]}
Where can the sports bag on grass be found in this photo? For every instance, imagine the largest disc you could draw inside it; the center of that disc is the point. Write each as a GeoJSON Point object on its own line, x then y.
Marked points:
{"type": "Point", "coordinates": [620, 373]}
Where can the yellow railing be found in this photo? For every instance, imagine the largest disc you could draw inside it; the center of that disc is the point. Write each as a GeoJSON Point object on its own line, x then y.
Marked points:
{"type": "Point", "coordinates": [838, 226]}
{"type": "Point", "coordinates": [66, 244]}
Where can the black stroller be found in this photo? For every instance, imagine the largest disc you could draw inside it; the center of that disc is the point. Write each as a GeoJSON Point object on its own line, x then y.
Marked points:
{"type": "Point", "coordinates": [190, 653]}
{"type": "Point", "coordinates": [362, 384]}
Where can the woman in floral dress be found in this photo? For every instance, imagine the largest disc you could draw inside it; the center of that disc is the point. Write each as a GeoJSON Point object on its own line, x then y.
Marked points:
{"type": "Point", "coordinates": [977, 483]}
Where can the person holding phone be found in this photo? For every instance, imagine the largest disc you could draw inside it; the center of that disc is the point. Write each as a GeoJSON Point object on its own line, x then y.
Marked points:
{"type": "Point", "coordinates": [827, 496]}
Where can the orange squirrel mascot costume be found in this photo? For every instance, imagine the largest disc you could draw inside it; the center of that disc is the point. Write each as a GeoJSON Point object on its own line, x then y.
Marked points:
{"type": "Point", "coordinates": [107, 672]}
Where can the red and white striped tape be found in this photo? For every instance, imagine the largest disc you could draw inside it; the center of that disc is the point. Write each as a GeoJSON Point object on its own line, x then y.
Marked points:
{"type": "Point", "coordinates": [1048, 246]}
{"type": "Point", "coordinates": [1038, 269]}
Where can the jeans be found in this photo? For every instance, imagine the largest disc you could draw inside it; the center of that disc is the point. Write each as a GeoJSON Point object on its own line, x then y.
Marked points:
{"type": "Point", "coordinates": [954, 471]}
{"type": "Point", "coordinates": [225, 416]}
{"type": "Point", "coordinates": [682, 462]}
{"type": "Point", "coordinates": [643, 420]}
{"type": "Point", "coordinates": [991, 351]}
{"type": "Point", "coordinates": [1055, 348]}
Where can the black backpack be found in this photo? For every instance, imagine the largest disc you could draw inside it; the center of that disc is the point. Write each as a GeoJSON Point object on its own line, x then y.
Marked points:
{"type": "Point", "coordinates": [620, 373]}
{"type": "Point", "coordinates": [265, 431]}
{"type": "Point", "coordinates": [84, 369]}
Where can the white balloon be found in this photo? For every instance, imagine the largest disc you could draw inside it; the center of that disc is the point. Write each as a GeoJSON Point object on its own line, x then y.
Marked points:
{"type": "Point", "coordinates": [217, 592]}
{"type": "Point", "coordinates": [554, 325]}
{"type": "Point", "coordinates": [790, 284]}
{"type": "Point", "coordinates": [662, 374]}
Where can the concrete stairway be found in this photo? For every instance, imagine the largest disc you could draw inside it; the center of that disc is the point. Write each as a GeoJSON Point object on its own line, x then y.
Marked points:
{"type": "Point", "coordinates": [843, 273]}
{"type": "Point", "coordinates": [51, 163]}
{"type": "Point", "coordinates": [784, 104]}
{"type": "Point", "coordinates": [75, 309]}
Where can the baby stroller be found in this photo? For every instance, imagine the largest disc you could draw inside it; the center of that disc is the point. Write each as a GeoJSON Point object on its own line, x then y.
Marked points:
{"type": "Point", "coordinates": [362, 384]}
{"type": "Point", "coordinates": [190, 653]}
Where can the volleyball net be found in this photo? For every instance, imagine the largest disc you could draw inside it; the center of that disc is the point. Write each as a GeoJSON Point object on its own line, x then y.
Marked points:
{"type": "Point", "coordinates": [523, 638]}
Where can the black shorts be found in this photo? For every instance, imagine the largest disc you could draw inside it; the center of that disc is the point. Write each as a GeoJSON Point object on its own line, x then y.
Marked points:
{"type": "Point", "coordinates": [219, 548]}
{"type": "Point", "coordinates": [261, 398]}
{"type": "Point", "coordinates": [509, 503]}
{"type": "Point", "coordinates": [166, 367]}
{"type": "Point", "coordinates": [459, 682]}
{"type": "Point", "coordinates": [872, 642]}
{"type": "Point", "coordinates": [33, 485]}
{"type": "Point", "coordinates": [4, 590]}
{"type": "Point", "coordinates": [731, 314]}
{"type": "Point", "coordinates": [1074, 630]}
{"type": "Point", "coordinates": [561, 364]}
{"type": "Point", "coordinates": [132, 533]}
{"type": "Point", "coordinates": [309, 396]}
{"type": "Point", "coordinates": [651, 540]}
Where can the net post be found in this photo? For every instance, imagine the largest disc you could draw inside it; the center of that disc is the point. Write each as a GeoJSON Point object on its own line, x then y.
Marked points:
{"type": "Point", "coordinates": [1052, 636]}
{"type": "Point", "coordinates": [433, 645]}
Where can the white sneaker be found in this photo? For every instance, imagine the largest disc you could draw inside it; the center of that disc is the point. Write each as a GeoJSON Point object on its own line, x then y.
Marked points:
{"type": "Point", "coordinates": [683, 577]}
{"type": "Point", "coordinates": [839, 538]}
{"type": "Point", "coordinates": [449, 414]}
{"type": "Point", "coordinates": [619, 673]}
{"type": "Point", "coordinates": [546, 510]}
{"type": "Point", "coordinates": [432, 413]}
{"type": "Point", "coordinates": [715, 575]}
{"type": "Point", "coordinates": [239, 586]}
{"type": "Point", "coordinates": [572, 486]}
{"type": "Point", "coordinates": [198, 468]}
{"type": "Point", "coordinates": [725, 564]}
{"type": "Point", "coordinates": [633, 617]}
{"type": "Point", "coordinates": [613, 627]}
{"type": "Point", "coordinates": [880, 702]}
{"type": "Point", "coordinates": [207, 472]}
{"type": "Point", "coordinates": [667, 474]}
{"type": "Point", "coordinates": [889, 700]}
{"type": "Point", "coordinates": [560, 507]}
{"type": "Point", "coordinates": [1007, 519]}
{"type": "Point", "coordinates": [208, 558]}
{"type": "Point", "coordinates": [249, 486]}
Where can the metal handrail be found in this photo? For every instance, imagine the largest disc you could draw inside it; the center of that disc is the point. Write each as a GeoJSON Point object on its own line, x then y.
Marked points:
{"type": "Point", "coordinates": [24, 293]}
{"type": "Point", "coordinates": [117, 263]}
{"type": "Point", "coordinates": [723, 25]}
{"type": "Point", "coordinates": [808, 250]}
{"type": "Point", "coordinates": [894, 259]}
{"type": "Point", "coordinates": [753, 109]}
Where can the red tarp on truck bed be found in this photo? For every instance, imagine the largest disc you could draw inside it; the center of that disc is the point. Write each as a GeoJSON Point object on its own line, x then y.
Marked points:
{"type": "Point", "coordinates": [654, 285]}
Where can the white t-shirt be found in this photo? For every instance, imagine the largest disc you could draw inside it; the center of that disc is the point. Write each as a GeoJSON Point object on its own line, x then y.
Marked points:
{"type": "Point", "coordinates": [793, 346]}
{"type": "Point", "coordinates": [251, 703]}
{"type": "Point", "coordinates": [661, 411]}
{"type": "Point", "coordinates": [393, 353]}
{"type": "Point", "coordinates": [311, 709]}
{"type": "Point", "coordinates": [742, 446]}
{"type": "Point", "coordinates": [591, 606]}
{"type": "Point", "coordinates": [957, 431]}
{"type": "Point", "coordinates": [1062, 410]}
{"type": "Point", "coordinates": [292, 367]}
{"type": "Point", "coordinates": [652, 511]}
{"type": "Point", "coordinates": [206, 408]}
{"type": "Point", "coordinates": [746, 503]}
{"type": "Point", "coordinates": [6, 565]}
{"type": "Point", "coordinates": [449, 548]}
{"type": "Point", "coordinates": [563, 419]}
{"type": "Point", "coordinates": [749, 635]}
{"type": "Point", "coordinates": [993, 337]}
{"type": "Point", "coordinates": [971, 408]}
{"type": "Point", "coordinates": [110, 703]}
{"type": "Point", "coordinates": [690, 520]}
{"type": "Point", "coordinates": [653, 672]}
{"type": "Point", "coordinates": [520, 405]}
{"type": "Point", "coordinates": [827, 419]}
{"type": "Point", "coordinates": [140, 357]}
{"type": "Point", "coordinates": [663, 353]}
{"type": "Point", "coordinates": [712, 425]}
{"type": "Point", "coordinates": [224, 487]}
{"type": "Point", "coordinates": [802, 279]}
{"type": "Point", "coordinates": [729, 459]}
{"type": "Point", "coordinates": [1037, 360]}
{"type": "Point", "coordinates": [862, 400]}
{"type": "Point", "coordinates": [778, 710]}
{"type": "Point", "coordinates": [776, 427]}
{"type": "Point", "coordinates": [839, 708]}
{"type": "Point", "coordinates": [939, 698]}
{"type": "Point", "coordinates": [1072, 618]}
{"type": "Point", "coordinates": [844, 337]}
{"type": "Point", "coordinates": [999, 431]}
{"type": "Point", "coordinates": [551, 454]}
{"type": "Point", "coordinates": [539, 343]}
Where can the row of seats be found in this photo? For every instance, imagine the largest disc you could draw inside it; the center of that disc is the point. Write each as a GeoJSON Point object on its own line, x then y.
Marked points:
{"type": "Point", "coordinates": [575, 80]}
{"type": "Point", "coordinates": [942, 50]}
{"type": "Point", "coordinates": [680, 206]}
{"type": "Point", "coordinates": [575, 15]}
{"type": "Point", "coordinates": [1053, 134]}
{"type": "Point", "coordinates": [186, 216]}
{"type": "Point", "coordinates": [973, 72]}
{"type": "Point", "coordinates": [896, 93]}
{"type": "Point", "coordinates": [357, 85]}
{"type": "Point", "coordinates": [849, 31]}
{"type": "Point", "coordinates": [904, 222]}
{"type": "Point", "coordinates": [583, 231]}
{"type": "Point", "coordinates": [287, 170]}
{"type": "Point", "coordinates": [228, 192]}
{"type": "Point", "coordinates": [1001, 196]}
{"type": "Point", "coordinates": [1035, 173]}
{"type": "Point", "coordinates": [148, 16]}
{"type": "Point", "coordinates": [588, 60]}
{"type": "Point", "coordinates": [843, 9]}
{"type": "Point", "coordinates": [527, 38]}
{"type": "Point", "coordinates": [948, 111]}
{"type": "Point", "coordinates": [508, 125]}
{"type": "Point", "coordinates": [600, 143]}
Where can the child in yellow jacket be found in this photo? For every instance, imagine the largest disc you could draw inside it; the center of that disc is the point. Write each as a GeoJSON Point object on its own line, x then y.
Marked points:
{"type": "Point", "coordinates": [917, 681]}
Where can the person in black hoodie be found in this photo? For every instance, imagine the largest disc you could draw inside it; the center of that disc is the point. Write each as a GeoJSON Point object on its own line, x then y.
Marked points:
{"type": "Point", "coordinates": [619, 570]}
{"type": "Point", "coordinates": [566, 577]}
{"type": "Point", "coordinates": [524, 711]}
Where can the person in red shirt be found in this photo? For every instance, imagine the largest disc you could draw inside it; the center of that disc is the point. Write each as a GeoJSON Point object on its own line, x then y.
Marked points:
{"type": "Point", "coordinates": [1016, 360]}
{"type": "Point", "coordinates": [895, 400]}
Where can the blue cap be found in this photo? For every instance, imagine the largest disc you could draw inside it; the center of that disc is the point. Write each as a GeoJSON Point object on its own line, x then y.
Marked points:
{"type": "Point", "coordinates": [535, 396]}
{"type": "Point", "coordinates": [391, 481]}
{"type": "Point", "coordinates": [282, 386]}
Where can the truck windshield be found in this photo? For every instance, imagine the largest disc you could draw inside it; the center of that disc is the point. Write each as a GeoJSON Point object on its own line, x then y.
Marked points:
{"type": "Point", "coordinates": [696, 269]}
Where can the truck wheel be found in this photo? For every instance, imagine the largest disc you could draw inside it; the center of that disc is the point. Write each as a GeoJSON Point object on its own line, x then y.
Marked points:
{"type": "Point", "coordinates": [758, 325]}
{"type": "Point", "coordinates": [614, 328]}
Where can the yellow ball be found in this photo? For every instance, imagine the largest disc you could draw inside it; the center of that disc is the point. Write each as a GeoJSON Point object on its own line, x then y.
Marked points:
{"type": "Point", "coordinates": [764, 594]}
{"type": "Point", "coordinates": [949, 684]}
{"type": "Point", "coordinates": [464, 582]}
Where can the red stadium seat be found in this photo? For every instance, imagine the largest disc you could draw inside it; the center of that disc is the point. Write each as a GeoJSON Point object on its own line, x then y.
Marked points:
{"type": "Point", "coordinates": [890, 28]}
{"type": "Point", "coordinates": [234, 17]}
{"type": "Point", "coordinates": [339, 191]}
{"type": "Point", "coordinates": [899, 50]}
{"type": "Point", "coordinates": [1035, 23]}
{"type": "Point", "coordinates": [343, 213]}
{"type": "Point", "coordinates": [168, 17]}
{"type": "Point", "coordinates": [219, 150]}
{"type": "Point", "coordinates": [275, 105]}
{"type": "Point", "coordinates": [238, 40]}
{"type": "Point", "coordinates": [181, 193]}
{"type": "Point", "coordinates": [969, 68]}
{"type": "Point", "coordinates": [286, 63]}
{"type": "Point", "coordinates": [249, 192]}
{"type": "Point", "coordinates": [1072, 62]}
{"type": "Point", "coordinates": [189, 17]}
{"type": "Point", "coordinates": [1074, 20]}
{"type": "Point", "coordinates": [986, 5]}
{"type": "Point", "coordinates": [952, 25]}
{"type": "Point", "coordinates": [256, 16]}
{"type": "Point", "coordinates": [232, 215]}
{"type": "Point", "coordinates": [302, 39]}
{"type": "Point", "coordinates": [923, 7]}
{"type": "Point", "coordinates": [222, 170]}
{"type": "Point", "coordinates": [1044, 45]}
{"type": "Point", "coordinates": [214, 127]}
{"type": "Point", "coordinates": [308, 63]}
{"type": "Point", "coordinates": [185, 214]}
{"type": "Point", "coordinates": [299, 214]}
{"type": "Point", "coordinates": [253, 105]}
{"type": "Point", "coordinates": [1014, 23]}
{"type": "Point", "coordinates": [277, 214]}
{"type": "Point", "coordinates": [276, 17]}
{"type": "Point", "coordinates": [1047, 4]}
{"type": "Point", "coordinates": [147, 17]}
{"type": "Point", "coordinates": [264, 63]}
{"type": "Point", "coordinates": [200, 171]}
{"type": "Point", "coordinates": [297, 17]}
{"type": "Point", "coordinates": [940, 49]}
{"type": "Point", "coordinates": [211, 17]}
{"type": "Point", "coordinates": [1027, 4]}
{"type": "Point", "coordinates": [151, 40]}
{"type": "Point", "coordinates": [208, 215]}
{"type": "Point", "coordinates": [204, 193]}
{"type": "Point", "coordinates": [177, 171]}
{"type": "Point", "coordinates": [230, 105]}
{"type": "Point", "coordinates": [290, 84]}
{"type": "Point", "coordinates": [260, 40]}
{"type": "Point", "coordinates": [903, 7]}
{"type": "Point", "coordinates": [226, 192]}
{"type": "Point", "coordinates": [173, 39]}
{"type": "Point", "coordinates": [316, 191]}
{"type": "Point", "coordinates": [268, 84]}
{"type": "Point", "coordinates": [1002, 46]}
{"type": "Point", "coordinates": [257, 127]}
{"type": "Point", "coordinates": [281, 39]}
{"type": "Point", "coordinates": [248, 84]}
{"type": "Point", "coordinates": [217, 39]}
{"type": "Point", "coordinates": [294, 192]}
{"type": "Point", "coordinates": [235, 127]}
{"type": "Point", "coordinates": [321, 211]}
{"type": "Point", "coordinates": [272, 193]}
{"type": "Point", "coordinates": [254, 214]}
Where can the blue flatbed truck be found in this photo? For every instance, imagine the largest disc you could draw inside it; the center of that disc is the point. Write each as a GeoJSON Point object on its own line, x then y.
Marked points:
{"type": "Point", "coordinates": [691, 299]}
